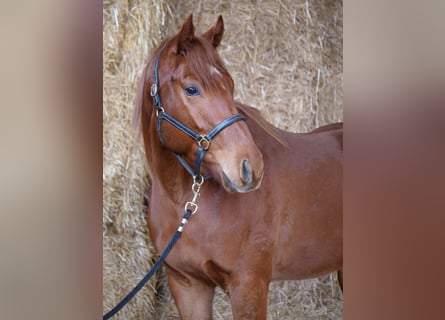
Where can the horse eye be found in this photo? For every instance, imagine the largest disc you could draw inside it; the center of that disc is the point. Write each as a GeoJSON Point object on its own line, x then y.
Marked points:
{"type": "Point", "coordinates": [192, 91]}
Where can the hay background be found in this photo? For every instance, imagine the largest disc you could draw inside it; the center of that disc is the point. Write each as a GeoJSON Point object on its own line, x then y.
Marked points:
{"type": "Point", "coordinates": [286, 60]}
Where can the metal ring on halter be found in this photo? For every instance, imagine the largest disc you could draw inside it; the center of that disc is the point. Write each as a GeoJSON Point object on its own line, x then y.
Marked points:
{"type": "Point", "coordinates": [198, 180]}
{"type": "Point", "coordinates": [204, 142]}
{"type": "Point", "coordinates": [153, 89]}
{"type": "Point", "coordinates": [160, 110]}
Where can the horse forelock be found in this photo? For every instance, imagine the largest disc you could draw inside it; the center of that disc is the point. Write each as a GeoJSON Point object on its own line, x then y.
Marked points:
{"type": "Point", "coordinates": [206, 65]}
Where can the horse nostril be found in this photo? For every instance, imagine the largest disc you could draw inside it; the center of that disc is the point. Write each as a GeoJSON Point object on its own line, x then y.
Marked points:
{"type": "Point", "coordinates": [246, 172]}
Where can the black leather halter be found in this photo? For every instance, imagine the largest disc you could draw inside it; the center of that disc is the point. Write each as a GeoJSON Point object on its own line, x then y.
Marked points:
{"type": "Point", "coordinates": [203, 140]}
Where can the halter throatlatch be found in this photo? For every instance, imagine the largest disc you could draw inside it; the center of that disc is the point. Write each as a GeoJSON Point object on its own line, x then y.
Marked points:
{"type": "Point", "coordinates": [203, 140]}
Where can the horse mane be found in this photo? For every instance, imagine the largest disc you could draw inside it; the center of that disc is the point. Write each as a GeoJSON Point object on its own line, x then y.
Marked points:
{"type": "Point", "coordinates": [139, 102]}
{"type": "Point", "coordinates": [256, 116]}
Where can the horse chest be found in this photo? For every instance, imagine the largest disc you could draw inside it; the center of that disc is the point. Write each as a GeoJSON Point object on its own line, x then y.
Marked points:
{"type": "Point", "coordinates": [216, 242]}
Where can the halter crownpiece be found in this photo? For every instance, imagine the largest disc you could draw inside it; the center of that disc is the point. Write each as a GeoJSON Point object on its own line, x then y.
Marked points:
{"type": "Point", "coordinates": [203, 140]}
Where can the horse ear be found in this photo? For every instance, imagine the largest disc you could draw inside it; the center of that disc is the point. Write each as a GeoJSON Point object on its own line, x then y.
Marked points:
{"type": "Point", "coordinates": [186, 35]}
{"type": "Point", "coordinates": [215, 34]}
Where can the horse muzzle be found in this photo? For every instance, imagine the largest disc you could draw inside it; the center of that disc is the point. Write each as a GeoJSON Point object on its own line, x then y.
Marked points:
{"type": "Point", "coordinates": [247, 179]}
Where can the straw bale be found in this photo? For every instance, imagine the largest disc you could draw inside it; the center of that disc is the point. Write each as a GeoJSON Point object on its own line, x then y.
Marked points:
{"type": "Point", "coordinates": [130, 30]}
{"type": "Point", "coordinates": [286, 59]}
{"type": "Point", "coordinates": [285, 56]}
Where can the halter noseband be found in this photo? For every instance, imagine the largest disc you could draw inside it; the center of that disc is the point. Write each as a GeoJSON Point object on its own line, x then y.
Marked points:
{"type": "Point", "coordinates": [203, 140]}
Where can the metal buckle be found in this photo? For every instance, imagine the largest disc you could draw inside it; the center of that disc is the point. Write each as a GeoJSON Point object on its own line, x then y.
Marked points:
{"type": "Point", "coordinates": [204, 142]}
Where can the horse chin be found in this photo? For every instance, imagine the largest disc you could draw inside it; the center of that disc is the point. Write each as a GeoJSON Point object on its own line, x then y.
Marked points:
{"type": "Point", "coordinates": [232, 187]}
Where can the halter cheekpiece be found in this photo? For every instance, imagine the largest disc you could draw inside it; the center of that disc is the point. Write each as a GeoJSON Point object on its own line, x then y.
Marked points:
{"type": "Point", "coordinates": [203, 140]}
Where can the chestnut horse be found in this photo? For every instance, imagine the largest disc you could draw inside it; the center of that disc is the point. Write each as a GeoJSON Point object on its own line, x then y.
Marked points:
{"type": "Point", "coordinates": [270, 207]}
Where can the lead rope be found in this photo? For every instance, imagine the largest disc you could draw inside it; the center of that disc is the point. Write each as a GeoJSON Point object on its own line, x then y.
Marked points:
{"type": "Point", "coordinates": [191, 207]}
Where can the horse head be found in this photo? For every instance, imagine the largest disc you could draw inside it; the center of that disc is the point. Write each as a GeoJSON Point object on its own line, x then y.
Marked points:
{"type": "Point", "coordinates": [196, 89]}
